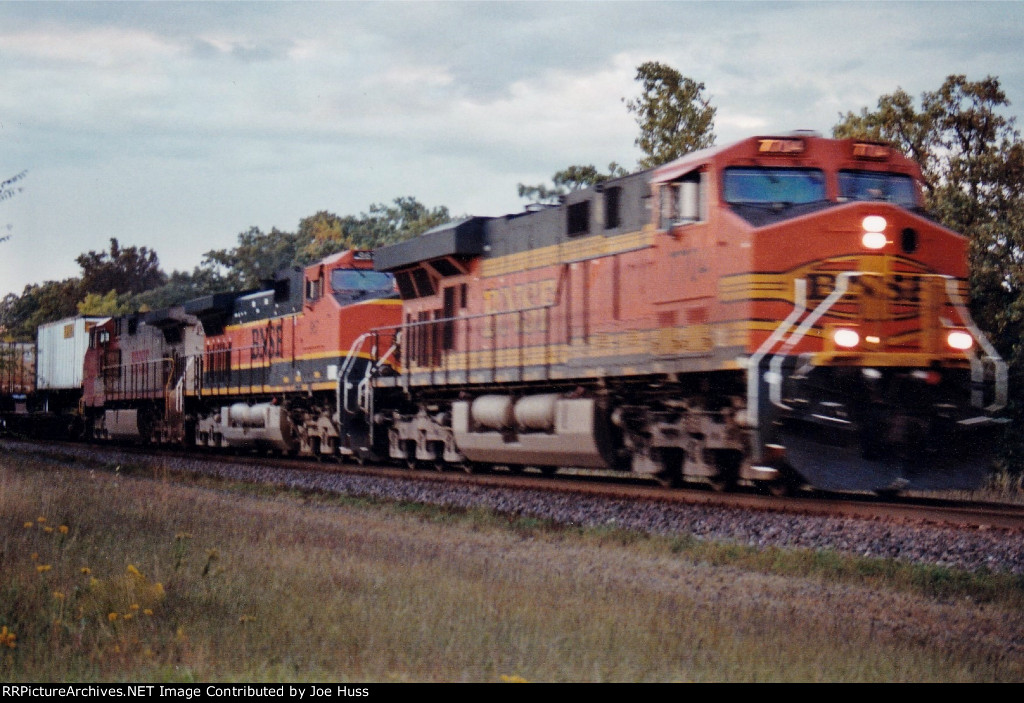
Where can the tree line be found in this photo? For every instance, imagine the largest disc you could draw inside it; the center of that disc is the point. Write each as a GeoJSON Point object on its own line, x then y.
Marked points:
{"type": "Point", "coordinates": [124, 279]}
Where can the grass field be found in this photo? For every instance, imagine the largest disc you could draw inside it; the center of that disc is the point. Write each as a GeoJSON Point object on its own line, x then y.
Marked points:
{"type": "Point", "coordinates": [121, 575]}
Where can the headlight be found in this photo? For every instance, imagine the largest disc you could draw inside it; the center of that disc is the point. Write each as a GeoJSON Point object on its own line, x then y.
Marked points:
{"type": "Point", "coordinates": [846, 338]}
{"type": "Point", "coordinates": [874, 223]}
{"type": "Point", "coordinates": [874, 240]}
{"type": "Point", "coordinates": [874, 232]}
{"type": "Point", "coordinates": [960, 340]}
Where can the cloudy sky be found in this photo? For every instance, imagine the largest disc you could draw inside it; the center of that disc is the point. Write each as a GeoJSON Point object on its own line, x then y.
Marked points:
{"type": "Point", "coordinates": [178, 125]}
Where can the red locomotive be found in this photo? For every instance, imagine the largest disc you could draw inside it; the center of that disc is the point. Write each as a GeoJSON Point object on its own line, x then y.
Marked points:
{"type": "Point", "coordinates": [778, 311]}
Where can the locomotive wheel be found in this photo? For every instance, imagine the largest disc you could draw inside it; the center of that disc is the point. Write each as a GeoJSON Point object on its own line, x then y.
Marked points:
{"type": "Point", "coordinates": [722, 483]}
{"type": "Point", "coordinates": [411, 462]}
{"type": "Point", "coordinates": [671, 474]}
{"type": "Point", "coordinates": [728, 464]}
{"type": "Point", "coordinates": [438, 463]}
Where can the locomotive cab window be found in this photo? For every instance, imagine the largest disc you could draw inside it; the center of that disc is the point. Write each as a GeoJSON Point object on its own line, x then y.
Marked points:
{"type": "Point", "coordinates": [314, 289]}
{"type": "Point", "coordinates": [684, 201]}
{"type": "Point", "coordinates": [362, 283]}
{"type": "Point", "coordinates": [773, 186]}
{"type": "Point", "coordinates": [873, 185]}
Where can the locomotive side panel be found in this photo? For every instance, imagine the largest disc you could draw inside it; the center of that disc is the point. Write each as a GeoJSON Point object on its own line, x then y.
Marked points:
{"type": "Point", "coordinates": [761, 302]}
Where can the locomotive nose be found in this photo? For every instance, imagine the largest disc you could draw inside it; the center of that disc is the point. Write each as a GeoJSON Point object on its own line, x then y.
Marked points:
{"type": "Point", "coordinates": [906, 453]}
{"type": "Point", "coordinates": [893, 431]}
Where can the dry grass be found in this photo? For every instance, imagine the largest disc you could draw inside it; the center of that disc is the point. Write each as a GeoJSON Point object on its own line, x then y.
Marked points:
{"type": "Point", "coordinates": [228, 583]}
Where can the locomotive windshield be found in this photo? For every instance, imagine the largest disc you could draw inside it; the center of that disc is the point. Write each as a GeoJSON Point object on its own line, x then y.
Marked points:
{"type": "Point", "coordinates": [356, 284]}
{"type": "Point", "coordinates": [773, 186]}
{"type": "Point", "coordinates": [870, 185]}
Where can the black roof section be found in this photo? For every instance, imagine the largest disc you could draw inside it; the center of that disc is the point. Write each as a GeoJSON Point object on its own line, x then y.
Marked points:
{"type": "Point", "coordinates": [460, 238]}
{"type": "Point", "coordinates": [212, 311]}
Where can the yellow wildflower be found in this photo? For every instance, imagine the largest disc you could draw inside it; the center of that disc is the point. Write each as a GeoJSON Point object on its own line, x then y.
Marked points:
{"type": "Point", "coordinates": [86, 570]}
{"type": "Point", "coordinates": [133, 571]}
{"type": "Point", "coordinates": [63, 529]}
{"type": "Point", "coordinates": [43, 568]}
{"type": "Point", "coordinates": [29, 524]}
{"type": "Point", "coordinates": [40, 519]}
{"type": "Point", "coordinates": [59, 595]}
{"type": "Point", "coordinates": [147, 611]}
{"type": "Point", "coordinates": [111, 617]}
{"type": "Point", "coordinates": [135, 606]}
{"type": "Point", "coordinates": [7, 638]}
{"type": "Point", "coordinates": [514, 678]}
{"type": "Point", "coordinates": [127, 616]}
{"type": "Point", "coordinates": [35, 555]}
{"type": "Point", "coordinates": [47, 529]}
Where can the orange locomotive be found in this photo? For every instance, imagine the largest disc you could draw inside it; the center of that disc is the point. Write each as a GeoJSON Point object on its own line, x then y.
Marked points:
{"type": "Point", "coordinates": [277, 368]}
{"type": "Point", "coordinates": [779, 311]}
{"type": "Point", "coordinates": [282, 367]}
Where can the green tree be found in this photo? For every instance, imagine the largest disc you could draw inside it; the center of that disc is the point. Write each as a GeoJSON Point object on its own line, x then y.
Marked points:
{"type": "Point", "coordinates": [125, 270]}
{"type": "Point", "coordinates": [109, 304]}
{"type": "Point", "coordinates": [972, 160]}
{"type": "Point", "coordinates": [673, 114]}
{"type": "Point", "coordinates": [182, 286]}
{"type": "Point", "coordinates": [674, 117]}
{"type": "Point", "coordinates": [321, 235]}
{"type": "Point", "coordinates": [568, 180]}
{"type": "Point", "coordinates": [259, 255]}
{"type": "Point", "coordinates": [403, 219]}
{"type": "Point", "coordinates": [256, 258]}
{"type": "Point", "coordinates": [38, 304]}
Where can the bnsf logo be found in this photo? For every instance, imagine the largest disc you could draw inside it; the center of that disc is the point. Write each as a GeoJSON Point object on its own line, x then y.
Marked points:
{"type": "Point", "coordinates": [268, 341]}
{"type": "Point", "coordinates": [897, 288]}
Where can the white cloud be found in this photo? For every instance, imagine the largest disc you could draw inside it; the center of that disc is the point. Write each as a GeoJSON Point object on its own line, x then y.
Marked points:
{"type": "Point", "coordinates": [176, 126]}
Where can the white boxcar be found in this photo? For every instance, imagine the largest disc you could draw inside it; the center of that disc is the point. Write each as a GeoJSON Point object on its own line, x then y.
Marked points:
{"type": "Point", "coordinates": [61, 350]}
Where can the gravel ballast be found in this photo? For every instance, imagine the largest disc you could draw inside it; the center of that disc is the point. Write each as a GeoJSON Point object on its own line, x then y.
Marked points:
{"type": "Point", "coordinates": [971, 549]}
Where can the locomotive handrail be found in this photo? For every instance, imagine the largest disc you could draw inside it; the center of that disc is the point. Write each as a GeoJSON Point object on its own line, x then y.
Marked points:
{"type": "Point", "coordinates": [134, 378]}
{"type": "Point", "coordinates": [754, 363]}
{"type": "Point", "coordinates": [1000, 368]}
{"type": "Point", "coordinates": [775, 365]}
{"type": "Point", "coordinates": [341, 399]}
{"type": "Point", "coordinates": [468, 352]}
{"type": "Point", "coordinates": [179, 387]}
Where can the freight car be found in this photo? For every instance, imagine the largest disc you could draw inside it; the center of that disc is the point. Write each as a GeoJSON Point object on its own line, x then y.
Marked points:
{"type": "Point", "coordinates": [41, 382]}
{"type": "Point", "coordinates": [17, 380]}
{"type": "Point", "coordinates": [779, 312]}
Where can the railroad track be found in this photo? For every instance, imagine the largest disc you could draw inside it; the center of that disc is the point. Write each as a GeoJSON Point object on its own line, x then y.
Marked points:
{"type": "Point", "coordinates": [907, 510]}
